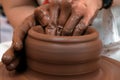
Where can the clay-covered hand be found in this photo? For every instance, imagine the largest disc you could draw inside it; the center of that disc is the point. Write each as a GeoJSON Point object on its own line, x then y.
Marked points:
{"type": "Point", "coordinates": [11, 57]}
{"type": "Point", "coordinates": [68, 17]}
{"type": "Point", "coordinates": [83, 13]}
{"type": "Point", "coordinates": [54, 16]}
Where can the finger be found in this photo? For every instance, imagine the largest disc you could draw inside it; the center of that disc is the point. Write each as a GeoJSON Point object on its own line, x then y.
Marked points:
{"type": "Point", "coordinates": [39, 29]}
{"type": "Point", "coordinates": [65, 12]}
{"type": "Point", "coordinates": [8, 56]}
{"type": "Point", "coordinates": [54, 12]}
{"type": "Point", "coordinates": [83, 24]}
{"type": "Point", "coordinates": [79, 29]}
{"type": "Point", "coordinates": [88, 18]}
{"type": "Point", "coordinates": [70, 24]}
{"type": "Point", "coordinates": [50, 29]}
{"type": "Point", "coordinates": [21, 31]}
{"type": "Point", "coordinates": [13, 65]}
{"type": "Point", "coordinates": [42, 14]}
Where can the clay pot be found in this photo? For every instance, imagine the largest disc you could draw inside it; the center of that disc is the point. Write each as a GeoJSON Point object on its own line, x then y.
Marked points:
{"type": "Point", "coordinates": [63, 55]}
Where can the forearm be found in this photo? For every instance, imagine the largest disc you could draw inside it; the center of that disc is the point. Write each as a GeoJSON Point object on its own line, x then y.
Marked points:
{"type": "Point", "coordinates": [16, 13]}
{"type": "Point", "coordinates": [116, 2]}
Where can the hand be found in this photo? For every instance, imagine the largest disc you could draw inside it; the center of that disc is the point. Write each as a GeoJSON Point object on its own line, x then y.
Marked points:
{"type": "Point", "coordinates": [69, 17]}
{"type": "Point", "coordinates": [58, 18]}
{"type": "Point", "coordinates": [54, 16]}
{"type": "Point", "coordinates": [83, 13]}
{"type": "Point", "coordinates": [11, 57]}
{"type": "Point", "coordinates": [14, 57]}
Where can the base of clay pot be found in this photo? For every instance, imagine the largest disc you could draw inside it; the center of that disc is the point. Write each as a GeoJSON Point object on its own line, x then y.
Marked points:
{"type": "Point", "coordinates": [64, 70]}
{"type": "Point", "coordinates": [110, 70]}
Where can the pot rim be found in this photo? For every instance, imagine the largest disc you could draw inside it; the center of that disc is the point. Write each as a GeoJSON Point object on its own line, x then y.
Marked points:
{"type": "Point", "coordinates": [93, 34]}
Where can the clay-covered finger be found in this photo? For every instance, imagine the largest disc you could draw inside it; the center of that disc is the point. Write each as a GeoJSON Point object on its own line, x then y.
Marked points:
{"type": "Point", "coordinates": [83, 24]}
{"type": "Point", "coordinates": [21, 31]}
{"type": "Point", "coordinates": [71, 24]}
{"type": "Point", "coordinates": [39, 29]}
{"type": "Point", "coordinates": [50, 29]}
{"type": "Point", "coordinates": [13, 65]}
{"type": "Point", "coordinates": [8, 56]}
{"type": "Point", "coordinates": [65, 12]}
{"type": "Point", "coordinates": [42, 15]}
{"type": "Point", "coordinates": [79, 29]}
{"type": "Point", "coordinates": [54, 12]}
{"type": "Point", "coordinates": [89, 17]}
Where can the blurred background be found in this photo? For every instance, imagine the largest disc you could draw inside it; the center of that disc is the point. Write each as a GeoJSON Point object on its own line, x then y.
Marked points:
{"type": "Point", "coordinates": [107, 24]}
{"type": "Point", "coordinates": [6, 32]}
{"type": "Point", "coordinates": [5, 28]}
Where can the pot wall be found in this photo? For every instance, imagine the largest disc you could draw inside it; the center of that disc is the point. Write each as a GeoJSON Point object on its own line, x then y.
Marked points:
{"type": "Point", "coordinates": [58, 55]}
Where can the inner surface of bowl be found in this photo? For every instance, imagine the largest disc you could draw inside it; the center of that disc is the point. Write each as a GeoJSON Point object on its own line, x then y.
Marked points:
{"type": "Point", "coordinates": [90, 34]}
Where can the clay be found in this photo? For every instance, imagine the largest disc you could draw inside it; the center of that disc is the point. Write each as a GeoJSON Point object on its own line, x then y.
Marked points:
{"type": "Point", "coordinates": [50, 58]}
{"type": "Point", "coordinates": [60, 52]}
{"type": "Point", "coordinates": [53, 19]}
{"type": "Point", "coordinates": [80, 29]}
{"type": "Point", "coordinates": [59, 19]}
{"type": "Point", "coordinates": [42, 15]}
{"type": "Point", "coordinates": [63, 16]}
{"type": "Point", "coordinates": [74, 54]}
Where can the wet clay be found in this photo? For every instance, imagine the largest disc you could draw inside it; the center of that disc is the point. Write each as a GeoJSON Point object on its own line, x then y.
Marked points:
{"type": "Point", "coordinates": [64, 58]}
{"type": "Point", "coordinates": [61, 55]}
{"type": "Point", "coordinates": [59, 19]}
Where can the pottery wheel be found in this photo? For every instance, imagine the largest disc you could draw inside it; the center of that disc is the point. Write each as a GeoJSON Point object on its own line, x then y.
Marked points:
{"type": "Point", "coordinates": [110, 70]}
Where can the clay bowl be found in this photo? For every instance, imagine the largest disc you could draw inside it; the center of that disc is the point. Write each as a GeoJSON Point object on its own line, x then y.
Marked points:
{"type": "Point", "coordinates": [63, 55]}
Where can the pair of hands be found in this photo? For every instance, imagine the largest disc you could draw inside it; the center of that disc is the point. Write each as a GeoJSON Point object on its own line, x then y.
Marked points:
{"type": "Point", "coordinates": [59, 17]}
{"type": "Point", "coordinates": [67, 17]}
